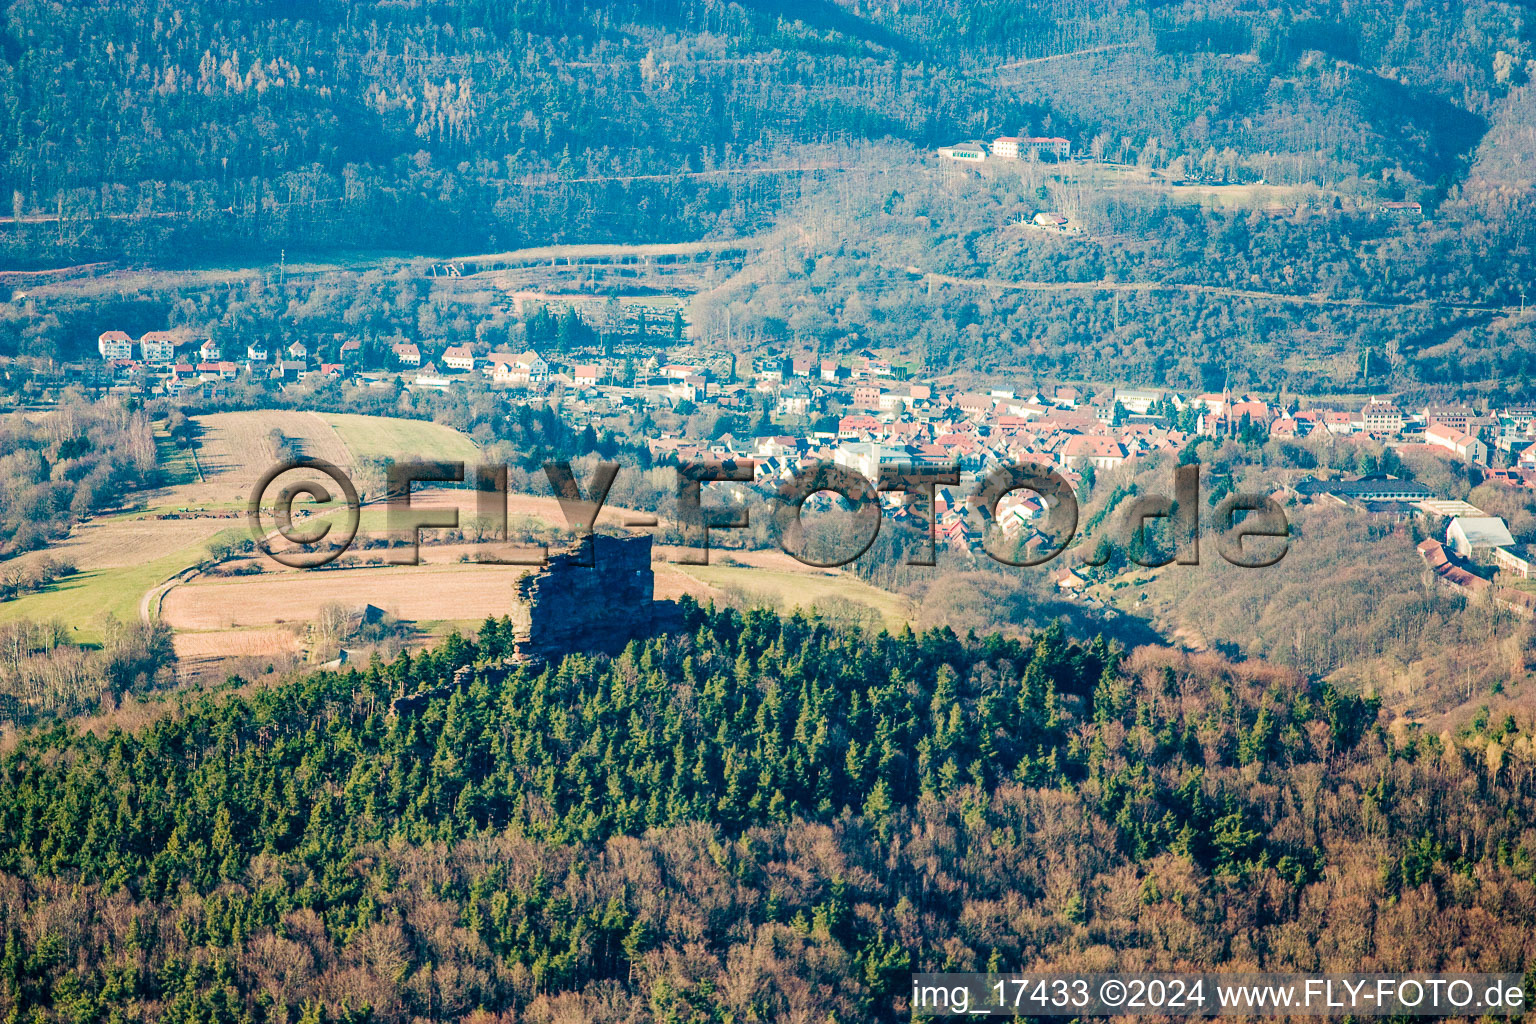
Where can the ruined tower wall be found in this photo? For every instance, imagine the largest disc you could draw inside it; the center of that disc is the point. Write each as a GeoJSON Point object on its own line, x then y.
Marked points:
{"type": "Point", "coordinates": [567, 606]}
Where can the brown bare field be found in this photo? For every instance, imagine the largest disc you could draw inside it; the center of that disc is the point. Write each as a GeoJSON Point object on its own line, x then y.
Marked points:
{"type": "Point", "coordinates": [768, 558]}
{"type": "Point", "coordinates": [232, 452]}
{"type": "Point", "coordinates": [542, 516]}
{"type": "Point", "coordinates": [519, 506]}
{"type": "Point", "coordinates": [117, 542]}
{"type": "Point", "coordinates": [222, 620]}
{"type": "Point", "coordinates": [443, 588]}
{"type": "Point", "coordinates": [204, 658]}
{"type": "Point", "coordinates": [414, 593]}
{"type": "Point", "coordinates": [235, 643]}
{"type": "Point", "coordinates": [787, 589]}
{"type": "Point", "coordinates": [235, 442]}
{"type": "Point", "coordinates": [672, 583]}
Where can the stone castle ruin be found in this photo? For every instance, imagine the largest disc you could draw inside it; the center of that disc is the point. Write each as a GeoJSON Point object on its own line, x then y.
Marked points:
{"type": "Point", "coordinates": [593, 600]}
{"type": "Point", "coordinates": [595, 597]}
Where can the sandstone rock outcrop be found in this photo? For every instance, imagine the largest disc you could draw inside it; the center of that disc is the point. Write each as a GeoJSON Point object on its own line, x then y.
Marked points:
{"type": "Point", "coordinates": [570, 605]}
{"type": "Point", "coordinates": [591, 600]}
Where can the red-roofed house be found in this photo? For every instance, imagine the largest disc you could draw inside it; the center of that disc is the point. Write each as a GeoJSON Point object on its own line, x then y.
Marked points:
{"type": "Point", "coordinates": [1099, 452]}
{"type": "Point", "coordinates": [856, 425]}
{"type": "Point", "coordinates": [114, 345]}
{"type": "Point", "coordinates": [957, 531]}
{"type": "Point", "coordinates": [1232, 419]}
{"type": "Point", "coordinates": [1464, 445]}
{"type": "Point", "coordinates": [1286, 426]}
{"type": "Point", "coordinates": [976, 406]}
{"type": "Point", "coordinates": [1067, 579]}
{"type": "Point", "coordinates": [1338, 422]}
{"type": "Point", "coordinates": [158, 346]}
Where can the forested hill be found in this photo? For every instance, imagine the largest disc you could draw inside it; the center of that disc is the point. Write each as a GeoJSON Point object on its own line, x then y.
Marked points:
{"type": "Point", "coordinates": [448, 127]}
{"type": "Point", "coordinates": [754, 819]}
{"type": "Point", "coordinates": [153, 130]}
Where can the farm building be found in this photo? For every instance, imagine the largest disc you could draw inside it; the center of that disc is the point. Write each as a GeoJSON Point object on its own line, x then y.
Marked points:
{"type": "Point", "coordinates": [1468, 535]}
{"type": "Point", "coordinates": [970, 152]}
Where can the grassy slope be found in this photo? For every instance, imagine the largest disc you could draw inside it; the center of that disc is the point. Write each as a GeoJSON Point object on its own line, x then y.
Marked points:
{"type": "Point", "coordinates": [788, 590]}
{"type": "Point", "coordinates": [83, 601]}
{"type": "Point", "coordinates": [377, 437]}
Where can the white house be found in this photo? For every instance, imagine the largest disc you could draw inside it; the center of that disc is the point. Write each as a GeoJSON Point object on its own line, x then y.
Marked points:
{"type": "Point", "coordinates": [431, 381]}
{"type": "Point", "coordinates": [863, 457]}
{"type": "Point", "coordinates": [256, 353]}
{"type": "Point", "coordinates": [1006, 146]}
{"type": "Point", "coordinates": [458, 357]}
{"type": "Point", "coordinates": [1517, 560]}
{"type": "Point", "coordinates": [1380, 416]}
{"type": "Point", "coordinates": [1137, 400]}
{"type": "Point", "coordinates": [1013, 147]}
{"type": "Point", "coordinates": [1464, 445]}
{"type": "Point", "coordinates": [1019, 148]}
{"type": "Point", "coordinates": [534, 365]}
{"type": "Point", "coordinates": [158, 346]}
{"type": "Point", "coordinates": [793, 401]}
{"type": "Point", "coordinates": [1100, 452]}
{"type": "Point", "coordinates": [1019, 510]}
{"type": "Point", "coordinates": [114, 345]}
{"type": "Point", "coordinates": [519, 368]}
